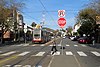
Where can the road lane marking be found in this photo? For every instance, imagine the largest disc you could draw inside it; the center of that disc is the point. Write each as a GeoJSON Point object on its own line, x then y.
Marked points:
{"type": "Point", "coordinates": [39, 54]}
{"type": "Point", "coordinates": [79, 65]}
{"type": "Point", "coordinates": [0, 51]}
{"type": "Point", "coordinates": [76, 45]}
{"type": "Point", "coordinates": [57, 53]}
{"type": "Point", "coordinates": [81, 53]}
{"type": "Point", "coordinates": [21, 66]}
{"type": "Point", "coordinates": [59, 45]}
{"type": "Point", "coordinates": [7, 59]}
{"type": "Point", "coordinates": [67, 45]}
{"type": "Point", "coordinates": [7, 66]}
{"type": "Point", "coordinates": [27, 66]}
{"type": "Point", "coordinates": [51, 61]}
{"type": "Point", "coordinates": [42, 45]}
{"type": "Point", "coordinates": [19, 45]}
{"type": "Point", "coordinates": [8, 53]}
{"type": "Point", "coordinates": [24, 53]}
{"type": "Point", "coordinates": [17, 65]}
{"type": "Point", "coordinates": [95, 53]}
{"type": "Point", "coordinates": [83, 45]}
{"type": "Point", "coordinates": [25, 44]}
{"type": "Point", "coordinates": [69, 53]}
{"type": "Point", "coordinates": [33, 45]}
{"type": "Point", "coordinates": [51, 45]}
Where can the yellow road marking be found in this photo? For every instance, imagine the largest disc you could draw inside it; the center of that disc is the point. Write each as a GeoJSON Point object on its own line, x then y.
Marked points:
{"type": "Point", "coordinates": [7, 59]}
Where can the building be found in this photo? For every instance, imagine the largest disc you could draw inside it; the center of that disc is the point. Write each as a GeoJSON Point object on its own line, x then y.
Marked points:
{"type": "Point", "coordinates": [76, 27]}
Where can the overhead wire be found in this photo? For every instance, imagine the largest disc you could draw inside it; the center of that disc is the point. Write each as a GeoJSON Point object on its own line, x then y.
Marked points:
{"type": "Point", "coordinates": [52, 11]}
{"type": "Point", "coordinates": [46, 9]}
{"type": "Point", "coordinates": [29, 16]}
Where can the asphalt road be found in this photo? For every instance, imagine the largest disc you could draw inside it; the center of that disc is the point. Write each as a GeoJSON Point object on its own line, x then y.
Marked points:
{"type": "Point", "coordinates": [39, 55]}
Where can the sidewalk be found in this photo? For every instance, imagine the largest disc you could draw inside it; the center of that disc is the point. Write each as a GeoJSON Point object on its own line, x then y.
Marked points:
{"type": "Point", "coordinates": [11, 43]}
{"type": "Point", "coordinates": [96, 45]}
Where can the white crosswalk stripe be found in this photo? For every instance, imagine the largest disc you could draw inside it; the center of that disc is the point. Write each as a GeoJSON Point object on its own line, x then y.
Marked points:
{"type": "Point", "coordinates": [24, 53]}
{"type": "Point", "coordinates": [32, 45]}
{"type": "Point", "coordinates": [7, 66]}
{"type": "Point", "coordinates": [59, 45]}
{"type": "Point", "coordinates": [25, 44]}
{"type": "Point", "coordinates": [67, 45]}
{"type": "Point", "coordinates": [81, 53]}
{"type": "Point", "coordinates": [51, 45]}
{"type": "Point", "coordinates": [69, 53]}
{"type": "Point", "coordinates": [42, 45]}
{"type": "Point", "coordinates": [8, 53]}
{"type": "Point", "coordinates": [76, 45]}
{"type": "Point", "coordinates": [83, 45]}
{"type": "Point", "coordinates": [95, 53]}
{"type": "Point", "coordinates": [57, 53]}
{"type": "Point", "coordinates": [39, 54]}
{"type": "Point", "coordinates": [17, 65]}
{"type": "Point", "coordinates": [0, 51]}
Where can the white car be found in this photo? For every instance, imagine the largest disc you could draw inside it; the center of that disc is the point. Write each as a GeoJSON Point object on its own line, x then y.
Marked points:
{"type": "Point", "coordinates": [72, 38]}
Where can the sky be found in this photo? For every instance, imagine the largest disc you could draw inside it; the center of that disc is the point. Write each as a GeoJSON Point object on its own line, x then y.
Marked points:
{"type": "Point", "coordinates": [37, 10]}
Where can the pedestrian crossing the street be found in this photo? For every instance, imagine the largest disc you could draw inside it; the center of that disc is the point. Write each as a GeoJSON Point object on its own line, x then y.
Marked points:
{"type": "Point", "coordinates": [42, 53]}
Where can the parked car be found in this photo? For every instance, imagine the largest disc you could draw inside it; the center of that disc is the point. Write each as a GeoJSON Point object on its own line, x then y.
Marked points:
{"type": "Point", "coordinates": [85, 40]}
{"type": "Point", "coordinates": [64, 37]}
{"type": "Point", "coordinates": [74, 38]}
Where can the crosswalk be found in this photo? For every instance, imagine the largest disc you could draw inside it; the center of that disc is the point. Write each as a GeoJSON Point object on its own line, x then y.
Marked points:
{"type": "Point", "coordinates": [23, 54]}
{"type": "Point", "coordinates": [42, 53]}
{"type": "Point", "coordinates": [8, 53]}
{"type": "Point", "coordinates": [81, 45]}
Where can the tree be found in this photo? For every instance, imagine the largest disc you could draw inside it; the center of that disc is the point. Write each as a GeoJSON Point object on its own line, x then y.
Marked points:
{"type": "Point", "coordinates": [95, 4]}
{"type": "Point", "coordinates": [85, 28]}
{"type": "Point", "coordinates": [7, 7]}
{"type": "Point", "coordinates": [87, 18]}
{"type": "Point", "coordinates": [7, 13]}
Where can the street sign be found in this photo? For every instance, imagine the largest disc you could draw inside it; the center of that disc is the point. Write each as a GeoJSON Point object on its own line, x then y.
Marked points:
{"type": "Point", "coordinates": [61, 22]}
{"type": "Point", "coordinates": [61, 13]}
{"type": "Point", "coordinates": [25, 28]}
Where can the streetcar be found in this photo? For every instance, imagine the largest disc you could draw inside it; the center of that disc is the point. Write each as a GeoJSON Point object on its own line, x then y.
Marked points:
{"type": "Point", "coordinates": [41, 35]}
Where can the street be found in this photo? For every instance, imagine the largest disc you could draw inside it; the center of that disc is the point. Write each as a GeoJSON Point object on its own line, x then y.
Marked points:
{"type": "Point", "coordinates": [39, 55]}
